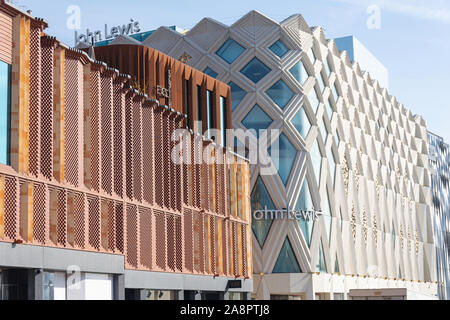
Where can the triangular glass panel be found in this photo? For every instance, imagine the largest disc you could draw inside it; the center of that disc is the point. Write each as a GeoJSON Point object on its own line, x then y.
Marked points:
{"type": "Point", "coordinates": [287, 262]}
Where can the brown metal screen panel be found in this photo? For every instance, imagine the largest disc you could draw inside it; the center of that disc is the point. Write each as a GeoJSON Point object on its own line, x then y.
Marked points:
{"type": "Point", "coordinates": [11, 208]}
{"type": "Point", "coordinates": [170, 234]}
{"type": "Point", "coordinates": [120, 224]}
{"type": "Point", "coordinates": [199, 249]}
{"type": "Point", "coordinates": [147, 153]}
{"type": "Point", "coordinates": [160, 250]}
{"type": "Point", "coordinates": [118, 117]}
{"type": "Point", "coordinates": [188, 240]}
{"type": "Point", "coordinates": [79, 220]}
{"type": "Point", "coordinates": [106, 132]}
{"type": "Point", "coordinates": [146, 247]}
{"type": "Point", "coordinates": [71, 120]}
{"type": "Point", "coordinates": [129, 146]}
{"type": "Point", "coordinates": [39, 219]}
{"type": "Point", "coordinates": [47, 111]}
{"type": "Point", "coordinates": [35, 101]}
{"type": "Point", "coordinates": [132, 236]}
{"type": "Point", "coordinates": [159, 151]}
{"type": "Point", "coordinates": [95, 131]}
{"type": "Point", "coordinates": [94, 222]}
{"type": "Point", "coordinates": [137, 149]}
{"type": "Point", "coordinates": [179, 255]}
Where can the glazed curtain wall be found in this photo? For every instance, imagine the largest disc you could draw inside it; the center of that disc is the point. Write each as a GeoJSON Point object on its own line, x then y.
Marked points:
{"type": "Point", "coordinates": [91, 170]}
{"type": "Point", "coordinates": [5, 90]}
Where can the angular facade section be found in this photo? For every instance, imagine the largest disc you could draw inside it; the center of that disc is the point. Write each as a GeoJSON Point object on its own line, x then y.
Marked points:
{"type": "Point", "coordinates": [363, 154]}
{"type": "Point", "coordinates": [88, 168]}
{"type": "Point", "coordinates": [440, 175]}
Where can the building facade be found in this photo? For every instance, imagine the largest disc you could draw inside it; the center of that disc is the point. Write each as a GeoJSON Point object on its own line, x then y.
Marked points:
{"type": "Point", "coordinates": [357, 52]}
{"type": "Point", "coordinates": [347, 147]}
{"type": "Point", "coordinates": [440, 173]}
{"type": "Point", "coordinates": [91, 204]}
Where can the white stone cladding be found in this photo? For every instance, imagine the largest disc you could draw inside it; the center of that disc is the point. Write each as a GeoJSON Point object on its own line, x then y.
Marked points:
{"type": "Point", "coordinates": [381, 226]}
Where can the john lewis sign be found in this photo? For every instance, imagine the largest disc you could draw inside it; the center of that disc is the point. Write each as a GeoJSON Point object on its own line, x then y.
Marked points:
{"type": "Point", "coordinates": [274, 214]}
{"type": "Point", "coordinates": [109, 33]}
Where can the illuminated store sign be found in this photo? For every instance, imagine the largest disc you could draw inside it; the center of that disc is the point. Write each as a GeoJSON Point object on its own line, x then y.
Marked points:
{"type": "Point", "coordinates": [110, 33]}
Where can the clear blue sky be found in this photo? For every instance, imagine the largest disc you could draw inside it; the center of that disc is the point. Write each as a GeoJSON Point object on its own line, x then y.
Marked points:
{"type": "Point", "coordinates": [412, 42]}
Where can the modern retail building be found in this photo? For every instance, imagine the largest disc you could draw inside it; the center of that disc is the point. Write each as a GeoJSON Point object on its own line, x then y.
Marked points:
{"type": "Point", "coordinates": [440, 174]}
{"type": "Point", "coordinates": [91, 205]}
{"type": "Point", "coordinates": [347, 148]}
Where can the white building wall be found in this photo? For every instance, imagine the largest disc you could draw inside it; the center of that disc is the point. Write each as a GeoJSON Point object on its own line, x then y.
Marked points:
{"type": "Point", "coordinates": [379, 231]}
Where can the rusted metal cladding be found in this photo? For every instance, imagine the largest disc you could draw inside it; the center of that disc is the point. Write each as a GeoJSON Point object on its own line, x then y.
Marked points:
{"type": "Point", "coordinates": [151, 71]}
{"type": "Point", "coordinates": [93, 166]}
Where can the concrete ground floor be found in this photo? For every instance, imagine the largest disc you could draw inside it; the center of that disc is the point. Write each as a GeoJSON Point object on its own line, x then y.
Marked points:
{"type": "Point", "coordinates": [44, 273]}
{"type": "Point", "coordinates": [303, 286]}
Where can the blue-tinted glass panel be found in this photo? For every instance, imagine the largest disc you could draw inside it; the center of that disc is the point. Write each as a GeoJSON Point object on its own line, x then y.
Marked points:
{"type": "Point", "coordinates": [257, 119]}
{"type": "Point", "coordinates": [329, 108]}
{"type": "Point", "coordinates": [230, 51]}
{"type": "Point", "coordinates": [320, 266]}
{"type": "Point", "coordinates": [323, 130]}
{"type": "Point", "coordinates": [255, 70]}
{"type": "Point", "coordinates": [237, 95]}
{"type": "Point", "coordinates": [304, 202]}
{"type": "Point", "coordinates": [286, 157]}
{"type": "Point", "coordinates": [327, 214]}
{"type": "Point", "coordinates": [209, 106]}
{"type": "Point", "coordinates": [299, 72]}
{"type": "Point", "coordinates": [5, 98]}
{"type": "Point", "coordinates": [223, 121]}
{"type": "Point", "coordinates": [335, 92]}
{"type": "Point", "coordinates": [332, 164]}
{"type": "Point", "coordinates": [313, 99]}
{"type": "Point", "coordinates": [280, 93]}
{"type": "Point", "coordinates": [322, 83]}
{"type": "Point", "coordinates": [312, 56]}
{"type": "Point", "coordinates": [279, 48]}
{"type": "Point", "coordinates": [259, 201]}
{"type": "Point", "coordinates": [199, 108]}
{"type": "Point", "coordinates": [301, 123]}
{"type": "Point", "coordinates": [210, 72]}
{"type": "Point", "coordinates": [287, 262]}
{"type": "Point", "coordinates": [316, 159]}
{"type": "Point", "coordinates": [327, 67]}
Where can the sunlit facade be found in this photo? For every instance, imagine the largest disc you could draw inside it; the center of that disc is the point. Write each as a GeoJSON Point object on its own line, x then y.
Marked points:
{"type": "Point", "coordinates": [440, 186]}
{"type": "Point", "coordinates": [347, 148]}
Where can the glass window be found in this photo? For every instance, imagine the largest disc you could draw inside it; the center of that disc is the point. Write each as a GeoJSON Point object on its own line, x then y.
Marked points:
{"type": "Point", "coordinates": [186, 101]}
{"type": "Point", "coordinates": [48, 286]}
{"type": "Point", "coordinates": [257, 119]}
{"type": "Point", "coordinates": [323, 130]}
{"type": "Point", "coordinates": [335, 92]}
{"type": "Point", "coordinates": [209, 111]}
{"type": "Point", "coordinates": [287, 262]}
{"type": "Point", "coordinates": [313, 100]}
{"type": "Point", "coordinates": [230, 51]}
{"type": "Point", "coordinates": [199, 107]}
{"type": "Point", "coordinates": [327, 66]}
{"type": "Point", "coordinates": [285, 159]}
{"type": "Point", "coordinates": [320, 266]}
{"type": "Point", "coordinates": [332, 163]}
{"type": "Point", "coordinates": [280, 93]}
{"type": "Point", "coordinates": [237, 95]}
{"type": "Point", "coordinates": [210, 72]}
{"type": "Point", "coordinates": [255, 70]}
{"type": "Point", "coordinates": [259, 201]}
{"type": "Point", "coordinates": [329, 108]}
{"type": "Point", "coordinates": [311, 56]}
{"type": "Point", "coordinates": [223, 121]}
{"type": "Point", "coordinates": [5, 105]}
{"type": "Point", "coordinates": [304, 202]}
{"type": "Point", "coordinates": [301, 123]}
{"type": "Point", "coordinates": [322, 83]}
{"type": "Point", "coordinates": [299, 72]}
{"type": "Point", "coordinates": [316, 159]}
{"type": "Point", "coordinates": [279, 48]}
{"type": "Point", "coordinates": [327, 214]}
